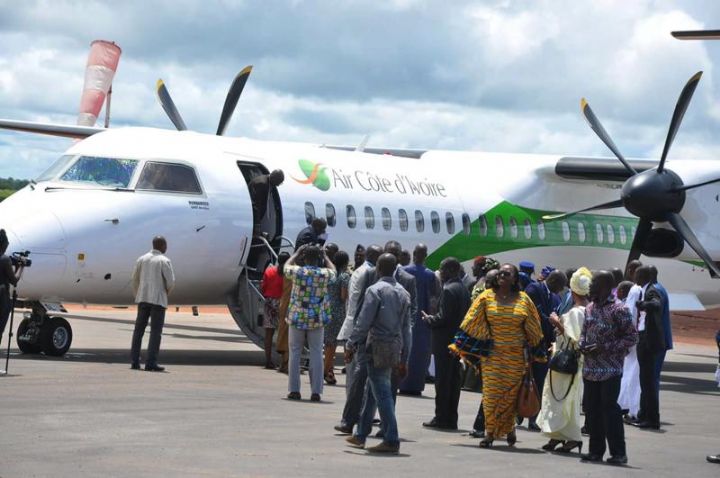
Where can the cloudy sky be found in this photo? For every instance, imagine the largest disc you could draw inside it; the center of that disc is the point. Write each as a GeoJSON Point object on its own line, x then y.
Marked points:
{"type": "Point", "coordinates": [490, 75]}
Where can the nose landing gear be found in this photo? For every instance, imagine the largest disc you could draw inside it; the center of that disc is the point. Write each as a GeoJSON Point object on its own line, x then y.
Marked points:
{"type": "Point", "coordinates": [38, 332]}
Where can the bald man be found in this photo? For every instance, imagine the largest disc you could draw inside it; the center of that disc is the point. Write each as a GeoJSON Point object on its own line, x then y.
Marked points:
{"type": "Point", "coordinates": [152, 279]}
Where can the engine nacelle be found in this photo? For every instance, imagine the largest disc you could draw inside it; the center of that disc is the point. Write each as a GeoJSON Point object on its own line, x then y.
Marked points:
{"type": "Point", "coordinates": [663, 243]}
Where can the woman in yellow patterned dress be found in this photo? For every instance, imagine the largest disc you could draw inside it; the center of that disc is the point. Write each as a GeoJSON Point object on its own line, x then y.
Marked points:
{"type": "Point", "coordinates": [495, 331]}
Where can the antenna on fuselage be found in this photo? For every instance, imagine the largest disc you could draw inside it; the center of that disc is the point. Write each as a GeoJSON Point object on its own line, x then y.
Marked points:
{"type": "Point", "coordinates": [361, 147]}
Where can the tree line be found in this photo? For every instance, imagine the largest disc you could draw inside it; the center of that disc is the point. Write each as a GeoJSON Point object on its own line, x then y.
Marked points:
{"type": "Point", "coordinates": [10, 185]}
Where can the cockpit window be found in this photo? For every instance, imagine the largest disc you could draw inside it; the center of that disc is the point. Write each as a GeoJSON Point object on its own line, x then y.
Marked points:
{"type": "Point", "coordinates": [169, 177]}
{"type": "Point", "coordinates": [56, 168]}
{"type": "Point", "coordinates": [109, 172]}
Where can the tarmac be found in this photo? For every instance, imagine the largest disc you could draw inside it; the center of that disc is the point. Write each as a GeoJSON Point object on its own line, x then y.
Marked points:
{"type": "Point", "coordinates": [216, 412]}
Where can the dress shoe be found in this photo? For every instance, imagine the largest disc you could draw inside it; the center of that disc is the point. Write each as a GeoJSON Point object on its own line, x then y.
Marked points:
{"type": "Point", "coordinates": [434, 423]}
{"type": "Point", "coordinates": [380, 434]}
{"type": "Point", "coordinates": [315, 397]}
{"type": "Point", "coordinates": [294, 396]}
{"type": "Point", "coordinates": [590, 457]}
{"type": "Point", "coordinates": [648, 425]}
{"type": "Point", "coordinates": [617, 460]}
{"type": "Point", "coordinates": [355, 442]}
{"type": "Point", "coordinates": [713, 458]}
{"type": "Point", "coordinates": [134, 366]}
{"type": "Point", "coordinates": [477, 434]}
{"type": "Point", "coordinates": [344, 429]}
{"type": "Point", "coordinates": [533, 427]}
{"type": "Point", "coordinates": [154, 368]}
{"type": "Point", "coordinates": [385, 447]}
{"type": "Point", "coordinates": [410, 393]}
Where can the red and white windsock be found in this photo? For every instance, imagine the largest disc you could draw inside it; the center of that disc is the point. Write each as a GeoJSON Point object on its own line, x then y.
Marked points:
{"type": "Point", "coordinates": [101, 66]}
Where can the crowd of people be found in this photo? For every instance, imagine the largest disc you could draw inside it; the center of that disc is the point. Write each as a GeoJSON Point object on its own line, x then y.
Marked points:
{"type": "Point", "coordinates": [593, 342]}
{"type": "Point", "coordinates": [584, 342]}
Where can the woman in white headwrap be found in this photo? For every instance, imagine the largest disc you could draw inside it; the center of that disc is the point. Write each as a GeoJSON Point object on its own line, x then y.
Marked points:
{"type": "Point", "coordinates": [559, 417]}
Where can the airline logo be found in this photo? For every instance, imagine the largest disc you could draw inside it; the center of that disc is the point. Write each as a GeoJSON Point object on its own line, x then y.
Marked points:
{"type": "Point", "coordinates": [314, 174]}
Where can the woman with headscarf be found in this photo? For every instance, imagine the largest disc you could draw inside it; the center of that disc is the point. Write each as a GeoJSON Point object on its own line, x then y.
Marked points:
{"type": "Point", "coordinates": [559, 417]}
{"type": "Point", "coordinates": [496, 331]}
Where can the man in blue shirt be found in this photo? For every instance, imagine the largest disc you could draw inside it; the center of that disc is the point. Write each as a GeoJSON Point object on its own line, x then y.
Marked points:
{"type": "Point", "coordinates": [383, 326]}
{"type": "Point", "coordinates": [667, 325]}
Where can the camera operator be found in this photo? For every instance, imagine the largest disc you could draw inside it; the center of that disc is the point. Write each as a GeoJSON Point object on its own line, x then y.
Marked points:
{"type": "Point", "coordinates": [8, 276]}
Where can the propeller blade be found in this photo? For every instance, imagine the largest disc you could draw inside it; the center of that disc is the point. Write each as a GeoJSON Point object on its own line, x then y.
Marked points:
{"type": "Point", "coordinates": [682, 227]}
{"type": "Point", "coordinates": [693, 186]}
{"type": "Point", "coordinates": [678, 114]}
{"type": "Point", "coordinates": [232, 98]}
{"type": "Point", "coordinates": [607, 205]}
{"type": "Point", "coordinates": [697, 35]}
{"type": "Point", "coordinates": [169, 106]}
{"type": "Point", "coordinates": [596, 126]}
{"type": "Point", "coordinates": [641, 233]}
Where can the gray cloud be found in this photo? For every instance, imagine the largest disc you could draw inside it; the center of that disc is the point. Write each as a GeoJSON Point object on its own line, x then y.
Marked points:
{"type": "Point", "coordinates": [497, 76]}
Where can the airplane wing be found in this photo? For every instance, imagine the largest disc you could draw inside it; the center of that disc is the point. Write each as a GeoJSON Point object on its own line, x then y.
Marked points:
{"type": "Point", "coordinates": [52, 129]}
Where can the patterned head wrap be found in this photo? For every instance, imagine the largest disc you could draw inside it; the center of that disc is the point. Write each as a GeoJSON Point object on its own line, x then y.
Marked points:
{"type": "Point", "coordinates": [580, 281]}
{"type": "Point", "coordinates": [490, 264]}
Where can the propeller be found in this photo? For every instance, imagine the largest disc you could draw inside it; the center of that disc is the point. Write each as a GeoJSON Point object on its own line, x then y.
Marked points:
{"type": "Point", "coordinates": [169, 106]}
{"type": "Point", "coordinates": [697, 35]}
{"type": "Point", "coordinates": [655, 195]}
{"type": "Point", "coordinates": [231, 100]}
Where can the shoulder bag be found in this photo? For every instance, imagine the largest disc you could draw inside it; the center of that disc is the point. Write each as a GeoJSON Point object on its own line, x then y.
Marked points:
{"type": "Point", "coordinates": [528, 399]}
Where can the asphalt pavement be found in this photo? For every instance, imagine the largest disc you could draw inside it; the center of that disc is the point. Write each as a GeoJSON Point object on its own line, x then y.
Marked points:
{"type": "Point", "coordinates": [217, 412]}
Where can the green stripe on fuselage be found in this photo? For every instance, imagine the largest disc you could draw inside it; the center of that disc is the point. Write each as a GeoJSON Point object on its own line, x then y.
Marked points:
{"type": "Point", "coordinates": [509, 227]}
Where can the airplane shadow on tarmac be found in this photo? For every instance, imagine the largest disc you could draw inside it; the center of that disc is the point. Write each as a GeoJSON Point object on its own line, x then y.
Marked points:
{"type": "Point", "coordinates": [168, 357]}
{"type": "Point", "coordinates": [675, 378]}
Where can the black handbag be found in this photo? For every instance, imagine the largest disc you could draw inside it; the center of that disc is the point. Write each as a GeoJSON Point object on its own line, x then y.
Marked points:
{"type": "Point", "coordinates": [565, 361]}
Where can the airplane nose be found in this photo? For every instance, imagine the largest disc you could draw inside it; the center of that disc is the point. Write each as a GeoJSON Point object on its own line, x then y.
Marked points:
{"type": "Point", "coordinates": [37, 231]}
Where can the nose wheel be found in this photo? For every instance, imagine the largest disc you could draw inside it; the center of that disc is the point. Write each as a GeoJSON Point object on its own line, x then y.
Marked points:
{"type": "Point", "coordinates": [51, 335]}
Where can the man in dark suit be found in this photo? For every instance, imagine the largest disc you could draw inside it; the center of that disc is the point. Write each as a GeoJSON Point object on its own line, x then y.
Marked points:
{"type": "Point", "coordinates": [650, 346]}
{"type": "Point", "coordinates": [454, 304]}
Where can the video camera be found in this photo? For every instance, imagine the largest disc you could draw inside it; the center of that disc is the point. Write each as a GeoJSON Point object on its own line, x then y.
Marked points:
{"type": "Point", "coordinates": [21, 259]}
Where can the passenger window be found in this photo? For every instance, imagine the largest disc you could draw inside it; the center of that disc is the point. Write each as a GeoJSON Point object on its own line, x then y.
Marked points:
{"type": "Point", "coordinates": [309, 212]}
{"type": "Point", "coordinates": [369, 218]}
{"type": "Point", "coordinates": [581, 231]}
{"type": "Point", "coordinates": [175, 178]}
{"type": "Point", "coordinates": [482, 220]}
{"type": "Point", "coordinates": [107, 172]}
{"type": "Point", "coordinates": [565, 231]}
{"type": "Point", "coordinates": [513, 227]}
{"type": "Point", "coordinates": [610, 234]}
{"type": "Point", "coordinates": [466, 224]}
{"type": "Point", "coordinates": [330, 214]}
{"type": "Point", "coordinates": [435, 221]}
{"type": "Point", "coordinates": [599, 233]}
{"type": "Point", "coordinates": [403, 219]}
{"type": "Point", "coordinates": [541, 229]}
{"type": "Point", "coordinates": [351, 216]}
{"type": "Point", "coordinates": [499, 227]}
{"type": "Point", "coordinates": [419, 221]}
{"type": "Point", "coordinates": [623, 235]}
{"type": "Point", "coordinates": [527, 228]}
{"type": "Point", "coordinates": [386, 218]}
{"type": "Point", "coordinates": [450, 222]}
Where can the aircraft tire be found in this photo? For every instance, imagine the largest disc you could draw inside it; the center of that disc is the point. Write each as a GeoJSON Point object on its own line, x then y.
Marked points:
{"type": "Point", "coordinates": [26, 347]}
{"type": "Point", "coordinates": [56, 336]}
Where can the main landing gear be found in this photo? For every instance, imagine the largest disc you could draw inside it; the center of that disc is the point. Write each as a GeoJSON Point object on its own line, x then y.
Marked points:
{"type": "Point", "coordinates": [39, 332]}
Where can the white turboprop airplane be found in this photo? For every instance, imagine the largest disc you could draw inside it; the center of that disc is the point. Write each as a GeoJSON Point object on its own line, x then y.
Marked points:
{"type": "Point", "coordinates": [92, 213]}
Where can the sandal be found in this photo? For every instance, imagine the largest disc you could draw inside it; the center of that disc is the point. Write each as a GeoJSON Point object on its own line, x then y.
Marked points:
{"type": "Point", "coordinates": [487, 442]}
{"type": "Point", "coordinates": [552, 444]}
{"type": "Point", "coordinates": [330, 378]}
